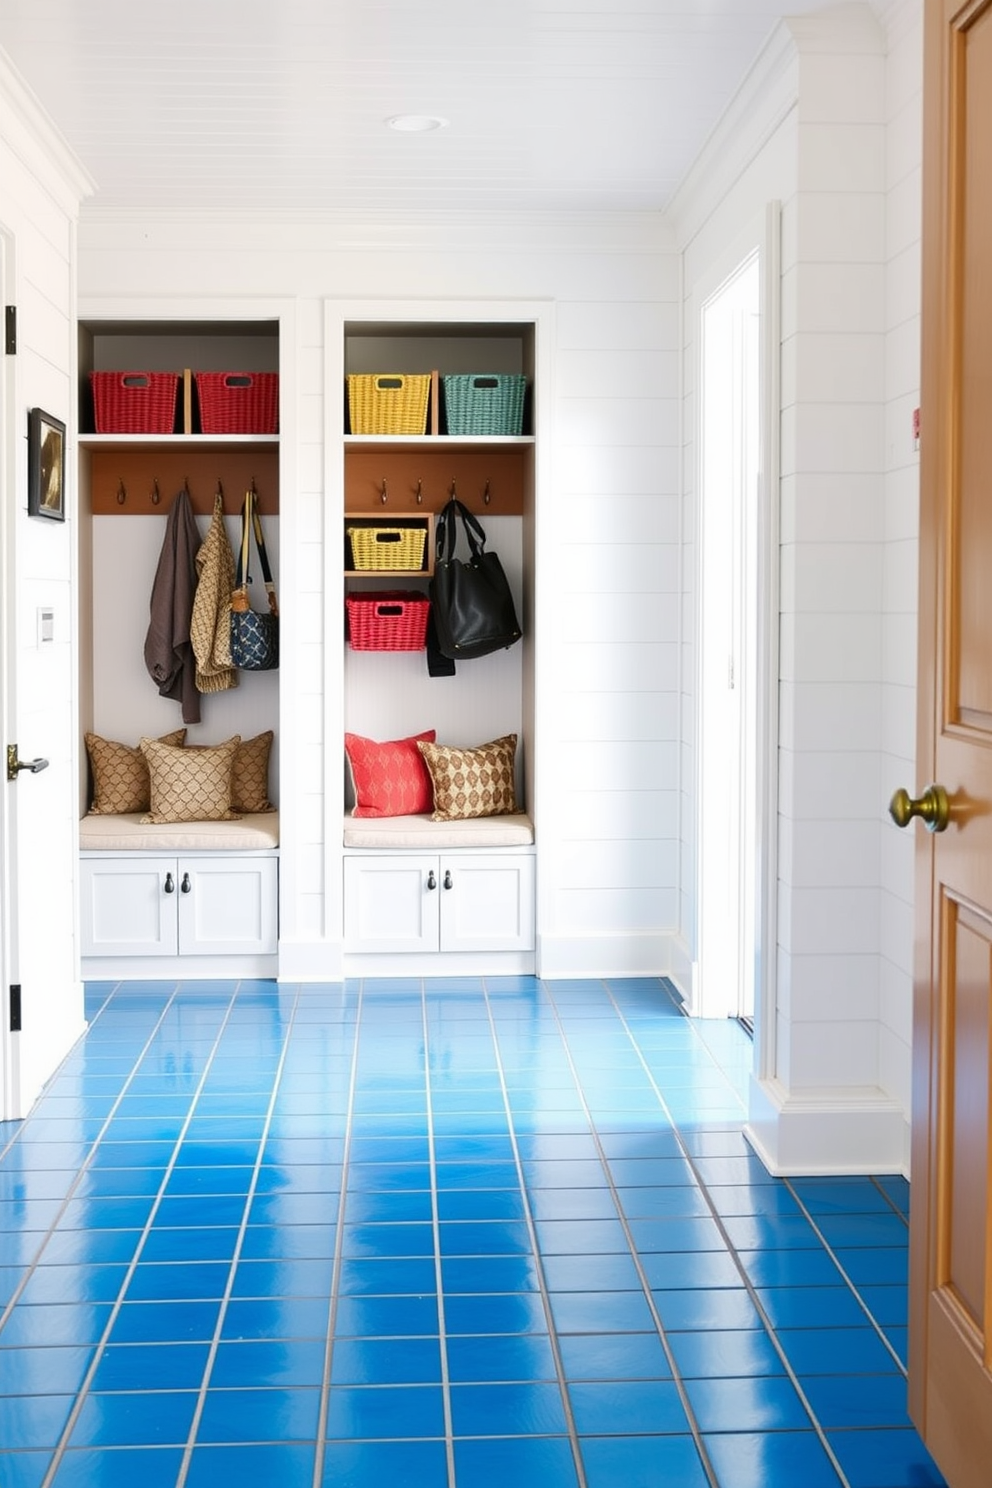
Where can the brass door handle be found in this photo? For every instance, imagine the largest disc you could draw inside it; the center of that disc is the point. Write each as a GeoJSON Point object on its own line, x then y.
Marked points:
{"type": "Point", "coordinates": [15, 765]}
{"type": "Point", "coordinates": [933, 808]}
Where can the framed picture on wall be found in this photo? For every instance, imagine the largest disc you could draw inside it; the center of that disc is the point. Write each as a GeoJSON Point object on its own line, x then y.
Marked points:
{"type": "Point", "coordinates": [46, 466]}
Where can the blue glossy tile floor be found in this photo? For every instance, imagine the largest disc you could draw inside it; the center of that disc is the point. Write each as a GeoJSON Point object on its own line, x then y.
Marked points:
{"type": "Point", "coordinates": [448, 1234]}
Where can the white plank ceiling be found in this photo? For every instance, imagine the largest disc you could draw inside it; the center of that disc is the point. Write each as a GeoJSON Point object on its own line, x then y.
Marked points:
{"type": "Point", "coordinates": [273, 107]}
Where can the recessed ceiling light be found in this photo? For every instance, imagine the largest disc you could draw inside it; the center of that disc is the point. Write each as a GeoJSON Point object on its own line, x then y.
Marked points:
{"type": "Point", "coordinates": [416, 123]}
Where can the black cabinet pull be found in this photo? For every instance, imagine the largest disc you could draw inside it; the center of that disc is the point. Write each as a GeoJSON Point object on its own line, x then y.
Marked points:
{"type": "Point", "coordinates": [170, 884]}
{"type": "Point", "coordinates": [185, 886]}
{"type": "Point", "coordinates": [447, 879]}
{"type": "Point", "coordinates": [431, 880]}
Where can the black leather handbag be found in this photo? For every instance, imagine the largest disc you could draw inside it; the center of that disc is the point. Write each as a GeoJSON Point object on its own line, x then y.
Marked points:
{"type": "Point", "coordinates": [471, 601]}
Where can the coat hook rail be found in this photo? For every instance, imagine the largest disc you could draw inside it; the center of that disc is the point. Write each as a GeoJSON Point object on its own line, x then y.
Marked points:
{"type": "Point", "coordinates": [126, 481]}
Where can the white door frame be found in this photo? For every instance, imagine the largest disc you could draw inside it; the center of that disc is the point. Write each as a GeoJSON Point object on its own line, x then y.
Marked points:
{"type": "Point", "coordinates": [761, 237]}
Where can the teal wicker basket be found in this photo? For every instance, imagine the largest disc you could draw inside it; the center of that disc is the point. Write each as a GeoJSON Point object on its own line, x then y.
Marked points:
{"type": "Point", "coordinates": [484, 402]}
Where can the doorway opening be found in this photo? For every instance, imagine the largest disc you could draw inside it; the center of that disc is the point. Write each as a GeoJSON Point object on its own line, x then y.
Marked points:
{"type": "Point", "coordinates": [730, 474]}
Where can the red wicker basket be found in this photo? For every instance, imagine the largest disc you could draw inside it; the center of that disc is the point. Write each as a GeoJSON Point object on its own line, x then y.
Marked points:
{"type": "Point", "coordinates": [387, 620]}
{"type": "Point", "coordinates": [238, 402]}
{"type": "Point", "coordinates": [134, 402]}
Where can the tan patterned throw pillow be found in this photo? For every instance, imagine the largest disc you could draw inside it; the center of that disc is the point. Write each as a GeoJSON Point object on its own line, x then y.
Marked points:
{"type": "Point", "coordinates": [250, 776]}
{"type": "Point", "coordinates": [471, 782]}
{"type": "Point", "coordinates": [190, 784]}
{"type": "Point", "coordinates": [120, 774]}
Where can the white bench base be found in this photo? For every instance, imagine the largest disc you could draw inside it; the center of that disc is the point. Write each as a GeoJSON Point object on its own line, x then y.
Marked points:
{"type": "Point", "coordinates": [170, 901]}
{"type": "Point", "coordinates": [443, 899]}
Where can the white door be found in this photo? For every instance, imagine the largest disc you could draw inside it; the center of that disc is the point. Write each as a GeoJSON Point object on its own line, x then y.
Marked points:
{"type": "Point", "coordinates": [38, 710]}
{"type": "Point", "coordinates": [7, 475]}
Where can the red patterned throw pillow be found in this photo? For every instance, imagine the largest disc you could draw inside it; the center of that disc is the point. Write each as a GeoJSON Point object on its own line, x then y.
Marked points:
{"type": "Point", "coordinates": [390, 779]}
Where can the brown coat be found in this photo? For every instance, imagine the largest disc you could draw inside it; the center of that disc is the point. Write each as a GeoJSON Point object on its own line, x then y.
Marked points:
{"type": "Point", "coordinates": [168, 647]}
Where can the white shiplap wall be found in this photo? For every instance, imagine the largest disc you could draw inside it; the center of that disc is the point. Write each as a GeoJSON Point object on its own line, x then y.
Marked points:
{"type": "Point", "coordinates": [607, 568]}
{"type": "Point", "coordinates": [831, 1091]}
{"type": "Point", "coordinates": [832, 500]}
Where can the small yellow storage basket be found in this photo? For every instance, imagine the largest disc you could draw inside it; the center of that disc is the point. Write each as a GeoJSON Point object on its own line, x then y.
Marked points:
{"type": "Point", "coordinates": [388, 402]}
{"type": "Point", "coordinates": [387, 547]}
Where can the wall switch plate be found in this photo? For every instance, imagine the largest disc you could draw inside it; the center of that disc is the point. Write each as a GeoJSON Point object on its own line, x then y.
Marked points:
{"type": "Point", "coordinates": [46, 626]}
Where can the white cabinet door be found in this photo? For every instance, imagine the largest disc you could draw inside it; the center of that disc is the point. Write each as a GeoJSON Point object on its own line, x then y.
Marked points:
{"type": "Point", "coordinates": [151, 906]}
{"type": "Point", "coordinates": [227, 906]}
{"type": "Point", "coordinates": [128, 907]}
{"type": "Point", "coordinates": [421, 902]}
{"type": "Point", "coordinates": [391, 903]}
{"type": "Point", "coordinates": [487, 903]}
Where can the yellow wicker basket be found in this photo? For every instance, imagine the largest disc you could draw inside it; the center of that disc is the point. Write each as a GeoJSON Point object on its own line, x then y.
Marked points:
{"type": "Point", "coordinates": [388, 402]}
{"type": "Point", "coordinates": [378, 548]}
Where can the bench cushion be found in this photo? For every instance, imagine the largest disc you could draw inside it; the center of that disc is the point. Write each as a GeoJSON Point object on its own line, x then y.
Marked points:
{"type": "Point", "coordinates": [402, 832]}
{"type": "Point", "coordinates": [130, 834]}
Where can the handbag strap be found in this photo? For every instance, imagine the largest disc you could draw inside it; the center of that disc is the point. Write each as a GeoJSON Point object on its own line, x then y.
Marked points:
{"type": "Point", "coordinates": [252, 522]}
{"type": "Point", "coordinates": [447, 531]}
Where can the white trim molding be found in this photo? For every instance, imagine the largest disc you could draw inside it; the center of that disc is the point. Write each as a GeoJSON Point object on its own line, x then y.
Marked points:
{"type": "Point", "coordinates": [826, 1131]}
{"type": "Point", "coordinates": [647, 953]}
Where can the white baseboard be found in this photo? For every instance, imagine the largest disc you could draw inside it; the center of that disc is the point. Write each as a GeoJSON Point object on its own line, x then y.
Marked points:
{"type": "Point", "coordinates": [682, 972]}
{"type": "Point", "coordinates": [826, 1131]}
{"type": "Point", "coordinates": [619, 955]}
{"type": "Point", "coordinates": [440, 964]}
{"type": "Point", "coordinates": [311, 961]}
{"type": "Point", "coordinates": [177, 968]}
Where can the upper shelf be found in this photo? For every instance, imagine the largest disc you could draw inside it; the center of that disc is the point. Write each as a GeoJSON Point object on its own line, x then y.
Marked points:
{"type": "Point", "coordinates": [432, 441]}
{"type": "Point", "coordinates": [203, 443]}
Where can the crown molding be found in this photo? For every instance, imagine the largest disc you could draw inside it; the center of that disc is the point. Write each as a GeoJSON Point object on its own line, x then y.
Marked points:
{"type": "Point", "coordinates": [765, 99]}
{"type": "Point", "coordinates": [29, 131]}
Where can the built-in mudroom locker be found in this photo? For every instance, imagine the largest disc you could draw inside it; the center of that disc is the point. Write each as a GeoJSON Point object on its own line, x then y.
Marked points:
{"type": "Point", "coordinates": [439, 865]}
{"type": "Point", "coordinates": [179, 834]}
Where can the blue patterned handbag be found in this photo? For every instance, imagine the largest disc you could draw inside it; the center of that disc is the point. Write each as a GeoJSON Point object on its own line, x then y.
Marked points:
{"type": "Point", "coordinates": [254, 636]}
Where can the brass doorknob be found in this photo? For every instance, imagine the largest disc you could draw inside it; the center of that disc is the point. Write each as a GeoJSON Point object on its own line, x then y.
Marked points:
{"type": "Point", "coordinates": [933, 808]}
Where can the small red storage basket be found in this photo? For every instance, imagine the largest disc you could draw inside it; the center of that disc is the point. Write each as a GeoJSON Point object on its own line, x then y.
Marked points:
{"type": "Point", "coordinates": [387, 620]}
{"type": "Point", "coordinates": [134, 402]}
{"type": "Point", "coordinates": [238, 402]}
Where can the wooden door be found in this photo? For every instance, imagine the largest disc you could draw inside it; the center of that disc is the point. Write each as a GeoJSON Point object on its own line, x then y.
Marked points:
{"type": "Point", "coordinates": [951, 1226]}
